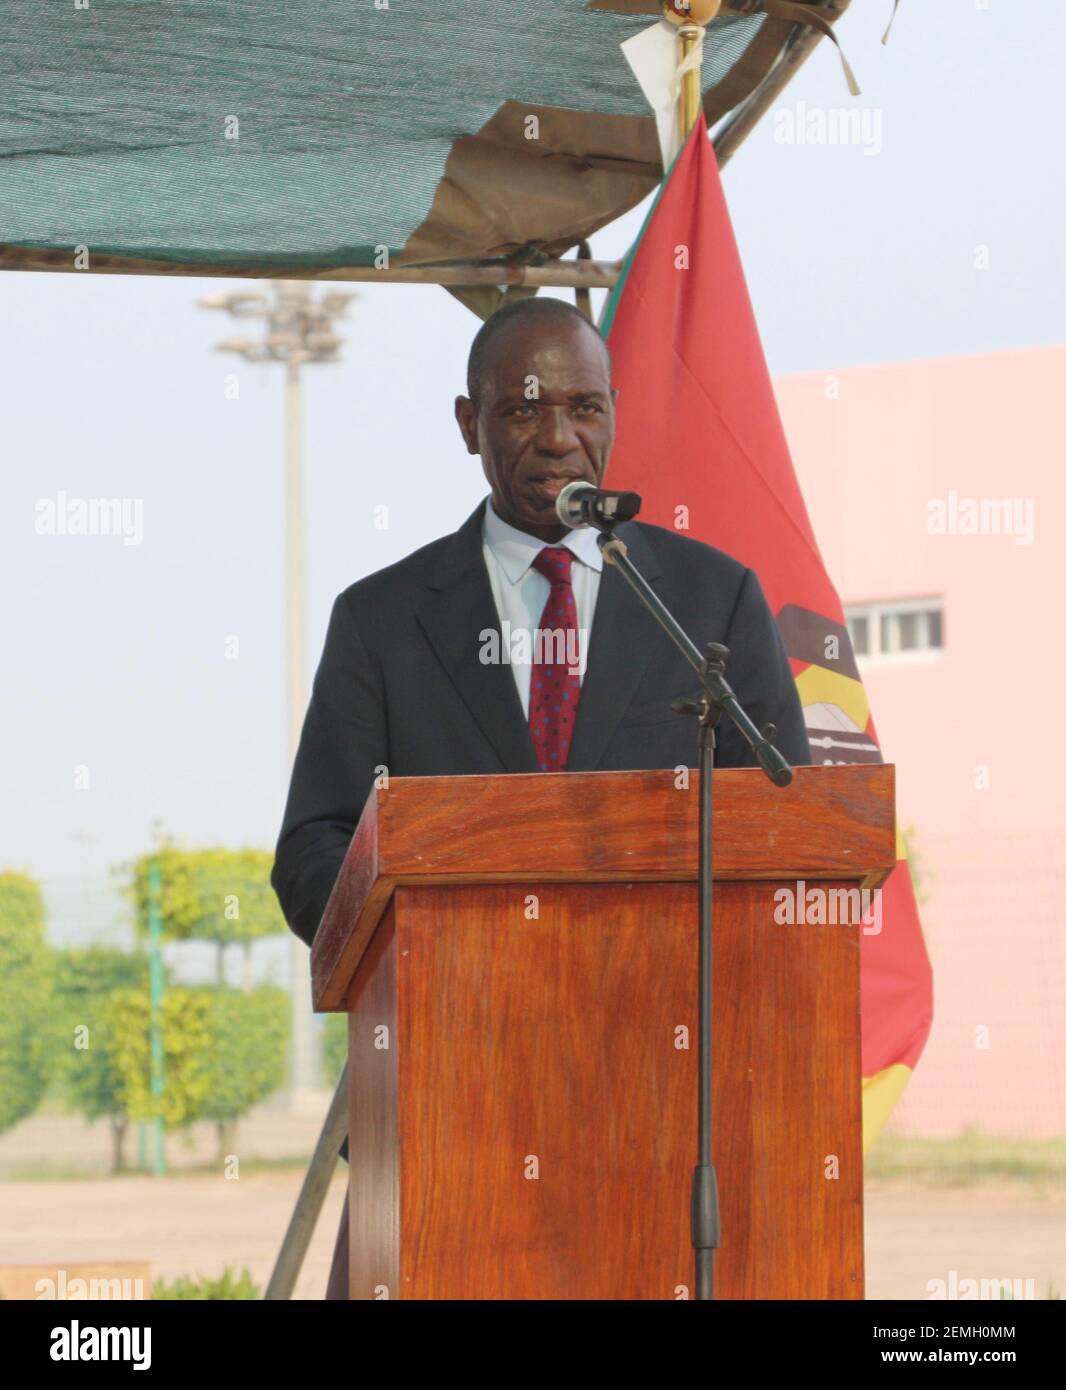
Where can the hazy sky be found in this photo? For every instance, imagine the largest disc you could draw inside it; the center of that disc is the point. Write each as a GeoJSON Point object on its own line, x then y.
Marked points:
{"type": "Point", "coordinates": [115, 654]}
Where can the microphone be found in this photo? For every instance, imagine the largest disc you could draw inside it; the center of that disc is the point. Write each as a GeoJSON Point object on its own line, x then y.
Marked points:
{"type": "Point", "coordinates": [580, 504]}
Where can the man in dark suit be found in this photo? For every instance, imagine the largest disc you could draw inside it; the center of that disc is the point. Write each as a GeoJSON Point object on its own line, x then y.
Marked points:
{"type": "Point", "coordinates": [434, 666]}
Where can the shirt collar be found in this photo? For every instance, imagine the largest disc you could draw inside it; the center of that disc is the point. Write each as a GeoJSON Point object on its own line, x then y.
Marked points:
{"type": "Point", "coordinates": [516, 550]}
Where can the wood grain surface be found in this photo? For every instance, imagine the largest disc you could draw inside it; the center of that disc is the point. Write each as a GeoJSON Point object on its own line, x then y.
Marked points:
{"type": "Point", "coordinates": [831, 823]}
{"type": "Point", "coordinates": [536, 1119]}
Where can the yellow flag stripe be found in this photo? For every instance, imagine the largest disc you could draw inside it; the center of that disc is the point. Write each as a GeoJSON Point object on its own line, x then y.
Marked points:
{"type": "Point", "coordinates": [880, 1093]}
{"type": "Point", "coordinates": [818, 686]}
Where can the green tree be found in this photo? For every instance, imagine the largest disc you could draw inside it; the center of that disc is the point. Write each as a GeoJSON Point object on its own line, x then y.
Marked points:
{"type": "Point", "coordinates": [219, 895]}
{"type": "Point", "coordinates": [234, 1054]}
{"type": "Point", "coordinates": [187, 1041]}
{"type": "Point", "coordinates": [25, 1019]}
{"type": "Point", "coordinates": [246, 1059]}
{"type": "Point", "coordinates": [86, 978]}
{"type": "Point", "coordinates": [223, 1052]}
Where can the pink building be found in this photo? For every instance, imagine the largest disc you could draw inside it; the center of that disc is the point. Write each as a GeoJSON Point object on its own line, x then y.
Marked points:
{"type": "Point", "coordinates": [937, 491]}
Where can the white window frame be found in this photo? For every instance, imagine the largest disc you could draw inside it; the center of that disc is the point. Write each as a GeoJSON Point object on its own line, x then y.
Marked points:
{"type": "Point", "coordinates": [892, 608]}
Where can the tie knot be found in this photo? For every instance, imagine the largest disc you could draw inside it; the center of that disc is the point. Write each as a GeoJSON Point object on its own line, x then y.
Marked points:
{"type": "Point", "coordinates": [554, 563]}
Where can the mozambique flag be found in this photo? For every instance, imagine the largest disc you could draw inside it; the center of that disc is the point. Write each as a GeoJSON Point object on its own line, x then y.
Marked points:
{"type": "Point", "coordinates": [700, 438]}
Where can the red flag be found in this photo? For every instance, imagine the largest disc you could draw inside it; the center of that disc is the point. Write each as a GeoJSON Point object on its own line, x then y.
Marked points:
{"type": "Point", "coordinates": [700, 438]}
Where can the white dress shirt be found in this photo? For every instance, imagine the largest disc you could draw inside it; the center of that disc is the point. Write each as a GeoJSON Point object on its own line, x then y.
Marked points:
{"type": "Point", "coordinates": [521, 591]}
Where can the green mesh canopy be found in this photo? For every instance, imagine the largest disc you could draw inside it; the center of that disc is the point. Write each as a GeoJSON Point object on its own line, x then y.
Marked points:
{"type": "Point", "coordinates": [341, 118]}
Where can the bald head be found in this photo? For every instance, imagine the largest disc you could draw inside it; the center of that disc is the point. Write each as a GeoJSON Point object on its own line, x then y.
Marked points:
{"type": "Point", "coordinates": [490, 342]}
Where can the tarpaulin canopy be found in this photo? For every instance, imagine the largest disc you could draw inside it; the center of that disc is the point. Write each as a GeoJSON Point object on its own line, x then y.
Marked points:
{"type": "Point", "coordinates": [238, 136]}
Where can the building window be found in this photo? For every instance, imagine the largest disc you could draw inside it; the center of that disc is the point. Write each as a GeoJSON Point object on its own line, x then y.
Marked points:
{"type": "Point", "coordinates": [886, 631]}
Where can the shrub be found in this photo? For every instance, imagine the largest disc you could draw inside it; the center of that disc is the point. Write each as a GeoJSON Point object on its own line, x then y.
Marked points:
{"type": "Point", "coordinates": [227, 1286]}
{"type": "Point", "coordinates": [25, 1019]}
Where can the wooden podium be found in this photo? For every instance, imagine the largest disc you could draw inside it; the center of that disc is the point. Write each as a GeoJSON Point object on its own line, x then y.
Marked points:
{"type": "Point", "coordinates": [517, 956]}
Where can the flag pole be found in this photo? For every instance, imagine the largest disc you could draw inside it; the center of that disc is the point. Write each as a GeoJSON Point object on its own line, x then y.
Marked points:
{"type": "Point", "coordinates": [691, 18]}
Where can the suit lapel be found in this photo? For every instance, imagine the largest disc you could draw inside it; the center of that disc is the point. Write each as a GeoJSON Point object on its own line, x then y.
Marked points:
{"type": "Point", "coordinates": [456, 608]}
{"type": "Point", "coordinates": [619, 651]}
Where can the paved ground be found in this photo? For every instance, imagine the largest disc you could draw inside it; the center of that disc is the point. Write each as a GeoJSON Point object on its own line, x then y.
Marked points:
{"type": "Point", "coordinates": [183, 1225]}
{"type": "Point", "coordinates": [1003, 1230]}
{"type": "Point", "coordinates": [198, 1221]}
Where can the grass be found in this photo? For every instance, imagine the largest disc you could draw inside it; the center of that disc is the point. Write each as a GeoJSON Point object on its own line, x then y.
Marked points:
{"type": "Point", "coordinates": [969, 1158]}
{"type": "Point", "coordinates": [72, 1173]}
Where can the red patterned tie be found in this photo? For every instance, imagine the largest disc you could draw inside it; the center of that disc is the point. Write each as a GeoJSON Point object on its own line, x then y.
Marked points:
{"type": "Point", "coordinates": [555, 686]}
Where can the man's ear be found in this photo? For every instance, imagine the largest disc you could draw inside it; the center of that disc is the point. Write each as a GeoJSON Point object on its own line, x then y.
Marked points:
{"type": "Point", "coordinates": [466, 417]}
{"type": "Point", "coordinates": [614, 395]}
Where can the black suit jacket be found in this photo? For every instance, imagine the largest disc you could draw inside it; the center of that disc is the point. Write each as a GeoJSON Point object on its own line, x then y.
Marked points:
{"type": "Point", "coordinates": [401, 686]}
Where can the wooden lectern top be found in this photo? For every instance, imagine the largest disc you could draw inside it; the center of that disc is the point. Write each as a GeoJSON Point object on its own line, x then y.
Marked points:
{"type": "Point", "coordinates": [832, 822]}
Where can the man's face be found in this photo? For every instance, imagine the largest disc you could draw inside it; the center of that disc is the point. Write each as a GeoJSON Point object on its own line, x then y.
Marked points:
{"type": "Point", "coordinates": [544, 418]}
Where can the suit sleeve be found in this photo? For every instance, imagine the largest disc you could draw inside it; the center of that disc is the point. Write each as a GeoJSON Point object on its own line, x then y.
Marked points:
{"type": "Point", "coordinates": [758, 670]}
{"type": "Point", "coordinates": [344, 739]}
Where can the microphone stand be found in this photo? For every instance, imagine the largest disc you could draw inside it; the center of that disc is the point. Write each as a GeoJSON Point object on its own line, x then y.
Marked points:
{"type": "Point", "coordinates": [717, 699]}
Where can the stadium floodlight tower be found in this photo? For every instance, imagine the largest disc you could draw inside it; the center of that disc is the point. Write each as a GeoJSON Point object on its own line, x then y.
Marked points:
{"type": "Point", "coordinates": [298, 332]}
